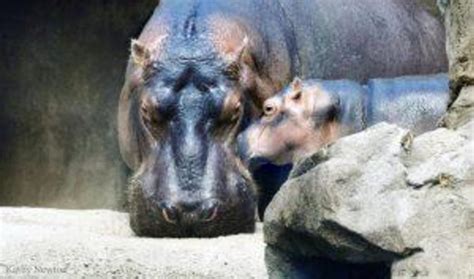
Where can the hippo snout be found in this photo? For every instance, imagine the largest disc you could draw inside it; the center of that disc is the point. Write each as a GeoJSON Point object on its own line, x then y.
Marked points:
{"type": "Point", "coordinates": [190, 213]}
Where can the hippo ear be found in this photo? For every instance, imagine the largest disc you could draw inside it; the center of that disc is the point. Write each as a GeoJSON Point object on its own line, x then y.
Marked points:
{"type": "Point", "coordinates": [140, 53]}
{"type": "Point", "coordinates": [296, 85]}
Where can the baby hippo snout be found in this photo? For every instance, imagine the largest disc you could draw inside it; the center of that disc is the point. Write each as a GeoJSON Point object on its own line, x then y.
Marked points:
{"type": "Point", "coordinates": [185, 213]}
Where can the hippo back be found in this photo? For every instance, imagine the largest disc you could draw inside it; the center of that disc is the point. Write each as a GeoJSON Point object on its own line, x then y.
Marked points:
{"type": "Point", "coordinates": [362, 39]}
{"type": "Point", "coordinates": [413, 102]}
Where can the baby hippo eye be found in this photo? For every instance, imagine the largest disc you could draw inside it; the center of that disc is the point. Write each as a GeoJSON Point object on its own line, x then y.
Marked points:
{"type": "Point", "coordinates": [269, 107]}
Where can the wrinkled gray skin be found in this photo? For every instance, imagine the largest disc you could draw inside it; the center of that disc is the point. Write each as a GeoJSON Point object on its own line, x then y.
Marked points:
{"type": "Point", "coordinates": [188, 180]}
{"type": "Point", "coordinates": [399, 38]}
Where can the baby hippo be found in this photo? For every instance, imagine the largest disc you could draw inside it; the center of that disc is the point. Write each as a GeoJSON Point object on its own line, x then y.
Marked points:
{"type": "Point", "coordinates": [312, 113]}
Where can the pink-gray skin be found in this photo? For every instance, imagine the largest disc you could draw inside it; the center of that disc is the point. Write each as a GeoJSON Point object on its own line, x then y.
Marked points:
{"type": "Point", "coordinates": [309, 114]}
{"type": "Point", "coordinates": [295, 123]}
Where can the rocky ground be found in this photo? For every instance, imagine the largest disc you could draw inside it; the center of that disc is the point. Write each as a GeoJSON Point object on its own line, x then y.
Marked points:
{"type": "Point", "coordinates": [53, 243]}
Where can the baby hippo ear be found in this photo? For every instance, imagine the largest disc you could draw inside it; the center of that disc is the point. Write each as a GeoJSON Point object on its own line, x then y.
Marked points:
{"type": "Point", "coordinates": [140, 53]}
{"type": "Point", "coordinates": [296, 85]}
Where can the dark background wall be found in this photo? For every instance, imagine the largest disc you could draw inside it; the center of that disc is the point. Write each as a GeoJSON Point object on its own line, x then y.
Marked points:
{"type": "Point", "coordinates": [61, 69]}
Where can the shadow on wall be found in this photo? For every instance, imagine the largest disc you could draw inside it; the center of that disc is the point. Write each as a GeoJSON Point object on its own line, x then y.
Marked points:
{"type": "Point", "coordinates": [61, 71]}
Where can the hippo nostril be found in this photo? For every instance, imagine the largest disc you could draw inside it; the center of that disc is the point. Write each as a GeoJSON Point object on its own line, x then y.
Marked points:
{"type": "Point", "coordinates": [170, 213]}
{"type": "Point", "coordinates": [209, 211]}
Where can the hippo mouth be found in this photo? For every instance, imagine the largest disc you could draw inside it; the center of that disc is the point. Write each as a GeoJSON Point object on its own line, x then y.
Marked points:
{"type": "Point", "coordinates": [215, 217]}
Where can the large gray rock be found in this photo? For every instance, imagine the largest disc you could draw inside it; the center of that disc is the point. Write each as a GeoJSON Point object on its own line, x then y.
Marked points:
{"type": "Point", "coordinates": [382, 196]}
{"type": "Point", "coordinates": [51, 243]}
{"type": "Point", "coordinates": [462, 110]}
{"type": "Point", "coordinates": [459, 23]}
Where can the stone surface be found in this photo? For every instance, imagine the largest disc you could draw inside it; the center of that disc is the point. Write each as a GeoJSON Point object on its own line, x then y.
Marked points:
{"type": "Point", "coordinates": [459, 23]}
{"type": "Point", "coordinates": [383, 196]}
{"type": "Point", "coordinates": [462, 110]}
{"type": "Point", "coordinates": [50, 243]}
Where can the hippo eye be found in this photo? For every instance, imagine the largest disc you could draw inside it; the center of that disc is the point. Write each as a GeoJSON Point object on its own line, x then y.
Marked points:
{"type": "Point", "coordinates": [151, 70]}
{"type": "Point", "coordinates": [233, 71]}
{"type": "Point", "coordinates": [149, 115]}
{"type": "Point", "coordinates": [231, 111]}
{"type": "Point", "coordinates": [270, 107]}
{"type": "Point", "coordinates": [268, 110]}
{"type": "Point", "coordinates": [236, 111]}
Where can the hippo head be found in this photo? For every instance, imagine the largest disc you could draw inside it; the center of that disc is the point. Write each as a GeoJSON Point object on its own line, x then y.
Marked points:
{"type": "Point", "coordinates": [295, 123]}
{"type": "Point", "coordinates": [178, 121]}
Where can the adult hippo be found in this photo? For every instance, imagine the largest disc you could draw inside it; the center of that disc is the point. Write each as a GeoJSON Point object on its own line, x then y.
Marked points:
{"type": "Point", "coordinates": [200, 71]}
{"type": "Point", "coordinates": [310, 114]}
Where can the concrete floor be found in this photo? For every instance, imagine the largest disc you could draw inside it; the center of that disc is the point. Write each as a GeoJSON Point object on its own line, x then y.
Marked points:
{"type": "Point", "coordinates": [57, 243]}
